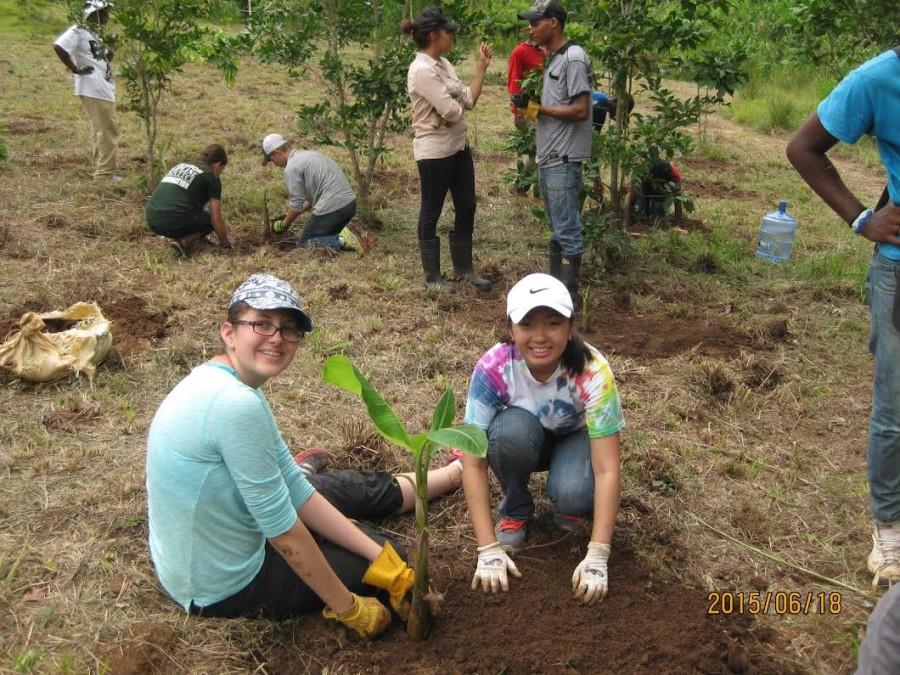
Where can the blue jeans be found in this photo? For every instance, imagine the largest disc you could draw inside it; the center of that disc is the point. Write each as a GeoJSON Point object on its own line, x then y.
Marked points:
{"type": "Point", "coordinates": [323, 230]}
{"type": "Point", "coordinates": [561, 188]}
{"type": "Point", "coordinates": [884, 425]}
{"type": "Point", "coordinates": [518, 446]}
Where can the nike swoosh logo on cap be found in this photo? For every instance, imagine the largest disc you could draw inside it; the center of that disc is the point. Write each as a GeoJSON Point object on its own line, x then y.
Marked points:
{"type": "Point", "coordinates": [537, 290]}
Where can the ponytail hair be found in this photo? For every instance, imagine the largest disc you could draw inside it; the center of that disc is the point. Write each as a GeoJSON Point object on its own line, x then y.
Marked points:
{"type": "Point", "coordinates": [421, 36]}
{"type": "Point", "coordinates": [576, 354]}
{"type": "Point", "coordinates": [213, 153]}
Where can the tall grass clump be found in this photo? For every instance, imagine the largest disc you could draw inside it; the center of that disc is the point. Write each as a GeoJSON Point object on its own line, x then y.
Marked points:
{"type": "Point", "coordinates": [779, 99]}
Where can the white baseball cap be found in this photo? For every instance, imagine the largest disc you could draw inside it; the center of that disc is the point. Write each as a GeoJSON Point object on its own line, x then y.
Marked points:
{"type": "Point", "coordinates": [271, 143]}
{"type": "Point", "coordinates": [91, 6]}
{"type": "Point", "coordinates": [538, 290]}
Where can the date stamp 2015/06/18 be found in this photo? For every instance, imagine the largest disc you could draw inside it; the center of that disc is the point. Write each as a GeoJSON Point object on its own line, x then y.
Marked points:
{"type": "Point", "coordinates": [774, 602]}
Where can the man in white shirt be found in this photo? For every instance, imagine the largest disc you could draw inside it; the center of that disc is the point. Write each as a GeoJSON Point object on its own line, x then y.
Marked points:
{"type": "Point", "coordinates": [88, 59]}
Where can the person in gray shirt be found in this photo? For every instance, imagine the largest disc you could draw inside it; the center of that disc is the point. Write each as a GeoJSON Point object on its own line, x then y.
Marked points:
{"type": "Point", "coordinates": [563, 136]}
{"type": "Point", "coordinates": [315, 182]}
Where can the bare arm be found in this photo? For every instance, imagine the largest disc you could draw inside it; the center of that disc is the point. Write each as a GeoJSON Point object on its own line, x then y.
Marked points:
{"type": "Point", "coordinates": [485, 54]}
{"type": "Point", "coordinates": [300, 551]}
{"type": "Point", "coordinates": [66, 58]}
{"type": "Point", "coordinates": [576, 111]}
{"type": "Point", "coordinates": [215, 215]}
{"type": "Point", "coordinates": [320, 516]}
{"type": "Point", "coordinates": [293, 214]}
{"type": "Point", "coordinates": [477, 490]}
{"type": "Point", "coordinates": [807, 151]}
{"type": "Point", "coordinates": [607, 486]}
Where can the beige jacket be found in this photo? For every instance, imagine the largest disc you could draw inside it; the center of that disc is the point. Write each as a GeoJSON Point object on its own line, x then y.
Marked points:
{"type": "Point", "coordinates": [439, 101]}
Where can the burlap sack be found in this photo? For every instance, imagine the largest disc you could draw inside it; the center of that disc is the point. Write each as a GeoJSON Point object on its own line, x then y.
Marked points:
{"type": "Point", "coordinates": [38, 353]}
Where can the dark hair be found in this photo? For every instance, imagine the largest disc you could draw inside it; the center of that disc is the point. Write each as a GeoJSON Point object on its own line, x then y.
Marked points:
{"type": "Point", "coordinates": [421, 36]}
{"type": "Point", "coordinates": [574, 357]}
{"type": "Point", "coordinates": [237, 310]}
{"type": "Point", "coordinates": [213, 153]}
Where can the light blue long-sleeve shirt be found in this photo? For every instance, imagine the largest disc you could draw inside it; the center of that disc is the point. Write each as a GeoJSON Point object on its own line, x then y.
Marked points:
{"type": "Point", "coordinates": [220, 481]}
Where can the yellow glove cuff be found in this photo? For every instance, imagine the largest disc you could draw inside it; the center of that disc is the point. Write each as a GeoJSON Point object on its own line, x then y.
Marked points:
{"type": "Point", "coordinates": [530, 112]}
{"type": "Point", "coordinates": [389, 571]}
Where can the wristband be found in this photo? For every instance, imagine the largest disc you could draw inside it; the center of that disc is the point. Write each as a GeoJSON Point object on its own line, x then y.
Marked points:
{"type": "Point", "coordinates": [861, 220]}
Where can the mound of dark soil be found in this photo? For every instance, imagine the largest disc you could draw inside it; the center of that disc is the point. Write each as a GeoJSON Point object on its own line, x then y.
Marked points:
{"type": "Point", "coordinates": [661, 336]}
{"type": "Point", "coordinates": [643, 626]}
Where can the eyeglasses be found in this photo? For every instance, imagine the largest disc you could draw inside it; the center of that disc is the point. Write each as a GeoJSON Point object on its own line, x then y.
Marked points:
{"type": "Point", "coordinates": [268, 329]}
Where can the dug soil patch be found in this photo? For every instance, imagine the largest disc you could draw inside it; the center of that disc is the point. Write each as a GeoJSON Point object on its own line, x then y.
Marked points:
{"type": "Point", "coordinates": [134, 325]}
{"type": "Point", "coordinates": [657, 336]}
{"type": "Point", "coordinates": [643, 626]}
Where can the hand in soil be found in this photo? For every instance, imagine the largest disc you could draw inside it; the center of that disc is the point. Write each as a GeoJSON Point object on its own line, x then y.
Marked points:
{"type": "Point", "coordinates": [367, 616]}
{"type": "Point", "coordinates": [591, 581]}
{"type": "Point", "coordinates": [490, 571]}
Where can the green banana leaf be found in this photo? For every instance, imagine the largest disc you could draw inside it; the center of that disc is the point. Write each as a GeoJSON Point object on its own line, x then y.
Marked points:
{"type": "Point", "coordinates": [445, 411]}
{"type": "Point", "coordinates": [340, 372]}
{"type": "Point", "coordinates": [466, 437]}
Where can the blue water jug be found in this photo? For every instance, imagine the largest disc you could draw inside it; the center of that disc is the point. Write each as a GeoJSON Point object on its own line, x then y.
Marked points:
{"type": "Point", "coordinates": [776, 235]}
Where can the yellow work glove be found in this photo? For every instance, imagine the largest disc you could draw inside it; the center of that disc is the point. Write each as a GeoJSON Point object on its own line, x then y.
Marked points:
{"type": "Point", "coordinates": [389, 572]}
{"type": "Point", "coordinates": [530, 112]}
{"type": "Point", "coordinates": [368, 617]}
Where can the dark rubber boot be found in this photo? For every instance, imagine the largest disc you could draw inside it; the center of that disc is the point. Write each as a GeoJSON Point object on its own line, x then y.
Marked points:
{"type": "Point", "coordinates": [555, 258]}
{"type": "Point", "coordinates": [461, 254]}
{"type": "Point", "coordinates": [570, 275]}
{"type": "Point", "coordinates": [430, 249]}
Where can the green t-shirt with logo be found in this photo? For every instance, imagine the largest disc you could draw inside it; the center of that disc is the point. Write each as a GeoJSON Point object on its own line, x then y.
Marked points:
{"type": "Point", "coordinates": [182, 194]}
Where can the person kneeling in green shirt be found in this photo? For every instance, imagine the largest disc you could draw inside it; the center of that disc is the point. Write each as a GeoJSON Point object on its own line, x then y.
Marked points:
{"type": "Point", "coordinates": [237, 529]}
{"type": "Point", "coordinates": [187, 203]}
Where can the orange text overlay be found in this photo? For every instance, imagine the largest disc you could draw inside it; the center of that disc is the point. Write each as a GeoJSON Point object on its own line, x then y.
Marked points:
{"type": "Point", "coordinates": [774, 602]}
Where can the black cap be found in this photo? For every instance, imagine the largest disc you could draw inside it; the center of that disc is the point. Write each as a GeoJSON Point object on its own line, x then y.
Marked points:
{"type": "Point", "coordinates": [431, 18]}
{"type": "Point", "coordinates": [544, 9]}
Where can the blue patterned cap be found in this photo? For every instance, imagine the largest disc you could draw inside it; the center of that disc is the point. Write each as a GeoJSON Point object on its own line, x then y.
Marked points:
{"type": "Point", "coordinates": [264, 291]}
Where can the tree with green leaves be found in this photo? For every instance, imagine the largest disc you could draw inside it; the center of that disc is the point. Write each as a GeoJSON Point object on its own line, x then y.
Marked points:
{"type": "Point", "coordinates": [340, 372]}
{"type": "Point", "coordinates": [839, 35]}
{"type": "Point", "coordinates": [360, 61]}
{"type": "Point", "coordinates": [159, 37]}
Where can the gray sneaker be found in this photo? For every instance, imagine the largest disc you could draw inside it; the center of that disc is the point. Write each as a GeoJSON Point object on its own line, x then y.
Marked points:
{"type": "Point", "coordinates": [511, 534]}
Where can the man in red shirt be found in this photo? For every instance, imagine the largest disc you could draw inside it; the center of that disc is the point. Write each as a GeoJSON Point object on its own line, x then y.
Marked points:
{"type": "Point", "coordinates": [524, 58]}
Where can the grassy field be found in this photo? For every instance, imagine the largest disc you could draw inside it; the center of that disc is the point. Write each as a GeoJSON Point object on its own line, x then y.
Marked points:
{"type": "Point", "coordinates": [746, 386]}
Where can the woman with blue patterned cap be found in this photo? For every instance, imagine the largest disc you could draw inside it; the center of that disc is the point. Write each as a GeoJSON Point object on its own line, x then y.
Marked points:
{"type": "Point", "coordinates": [236, 527]}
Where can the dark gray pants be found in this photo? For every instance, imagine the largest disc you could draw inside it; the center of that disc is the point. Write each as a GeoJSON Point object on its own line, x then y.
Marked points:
{"type": "Point", "coordinates": [323, 230]}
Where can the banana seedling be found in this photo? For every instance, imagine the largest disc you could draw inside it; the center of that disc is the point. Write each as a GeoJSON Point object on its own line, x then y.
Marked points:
{"type": "Point", "coordinates": [340, 372]}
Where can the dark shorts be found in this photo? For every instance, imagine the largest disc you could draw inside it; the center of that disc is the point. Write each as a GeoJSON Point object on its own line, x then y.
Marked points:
{"type": "Point", "coordinates": [276, 592]}
{"type": "Point", "coordinates": [198, 223]}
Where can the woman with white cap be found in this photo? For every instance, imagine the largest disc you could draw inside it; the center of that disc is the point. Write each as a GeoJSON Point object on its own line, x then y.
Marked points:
{"type": "Point", "coordinates": [439, 101]}
{"type": "Point", "coordinates": [236, 528]}
{"type": "Point", "coordinates": [548, 402]}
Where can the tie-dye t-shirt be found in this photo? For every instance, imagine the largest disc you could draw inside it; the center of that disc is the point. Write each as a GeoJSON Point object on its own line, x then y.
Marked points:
{"type": "Point", "coordinates": [564, 403]}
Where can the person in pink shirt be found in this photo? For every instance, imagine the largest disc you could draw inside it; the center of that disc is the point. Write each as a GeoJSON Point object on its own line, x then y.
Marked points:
{"type": "Point", "coordinates": [439, 101]}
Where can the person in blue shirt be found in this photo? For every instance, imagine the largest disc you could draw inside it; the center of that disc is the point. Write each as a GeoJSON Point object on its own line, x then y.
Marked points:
{"type": "Point", "coordinates": [236, 528]}
{"type": "Point", "coordinates": [867, 102]}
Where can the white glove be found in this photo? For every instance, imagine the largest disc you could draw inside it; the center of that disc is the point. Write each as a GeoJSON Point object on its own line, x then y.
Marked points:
{"type": "Point", "coordinates": [490, 572]}
{"type": "Point", "coordinates": [590, 581]}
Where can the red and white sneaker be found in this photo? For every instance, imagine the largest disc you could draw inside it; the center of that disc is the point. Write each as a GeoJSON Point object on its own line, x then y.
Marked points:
{"type": "Point", "coordinates": [312, 460]}
{"type": "Point", "coordinates": [511, 534]}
